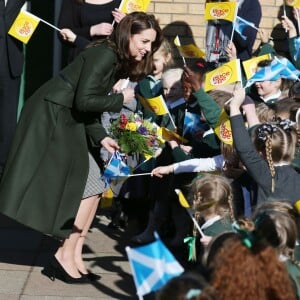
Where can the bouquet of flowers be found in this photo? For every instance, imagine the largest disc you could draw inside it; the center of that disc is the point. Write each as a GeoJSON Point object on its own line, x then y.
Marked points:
{"type": "Point", "coordinates": [135, 135]}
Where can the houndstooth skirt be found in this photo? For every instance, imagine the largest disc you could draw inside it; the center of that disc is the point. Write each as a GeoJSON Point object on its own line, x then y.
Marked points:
{"type": "Point", "coordinates": [94, 185]}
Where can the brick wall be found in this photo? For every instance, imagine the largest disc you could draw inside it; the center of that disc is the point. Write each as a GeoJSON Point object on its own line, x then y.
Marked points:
{"type": "Point", "coordinates": [187, 16]}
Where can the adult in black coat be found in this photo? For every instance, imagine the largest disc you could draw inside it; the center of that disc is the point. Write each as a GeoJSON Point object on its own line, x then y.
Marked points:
{"type": "Point", "coordinates": [11, 58]}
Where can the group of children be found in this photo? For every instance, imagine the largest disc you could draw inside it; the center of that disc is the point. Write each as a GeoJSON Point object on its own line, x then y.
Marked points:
{"type": "Point", "coordinates": [243, 191]}
{"type": "Point", "coordinates": [255, 175]}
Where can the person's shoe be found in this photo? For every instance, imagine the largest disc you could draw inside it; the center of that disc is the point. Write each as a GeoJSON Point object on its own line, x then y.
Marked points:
{"type": "Point", "coordinates": [56, 271]}
{"type": "Point", "coordinates": [145, 237]}
{"type": "Point", "coordinates": [91, 276]}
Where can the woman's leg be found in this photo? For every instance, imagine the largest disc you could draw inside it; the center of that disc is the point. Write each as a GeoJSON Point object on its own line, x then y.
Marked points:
{"type": "Point", "coordinates": [79, 245]}
{"type": "Point", "coordinates": [66, 252]}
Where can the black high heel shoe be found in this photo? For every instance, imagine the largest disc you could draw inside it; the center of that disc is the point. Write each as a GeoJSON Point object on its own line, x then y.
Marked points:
{"type": "Point", "coordinates": [55, 271]}
{"type": "Point", "coordinates": [91, 276]}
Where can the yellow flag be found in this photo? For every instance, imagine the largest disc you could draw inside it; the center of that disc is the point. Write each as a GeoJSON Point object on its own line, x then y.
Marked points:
{"type": "Point", "coordinates": [24, 26]}
{"type": "Point", "coordinates": [156, 104]}
{"type": "Point", "coordinates": [223, 129]}
{"type": "Point", "coordinates": [294, 3]}
{"type": "Point", "coordinates": [107, 198]}
{"type": "Point", "coordinates": [182, 200]}
{"type": "Point", "coordinates": [169, 135]}
{"type": "Point", "coordinates": [250, 65]}
{"type": "Point", "coordinates": [191, 51]}
{"type": "Point", "coordinates": [220, 10]}
{"type": "Point", "coordinates": [228, 73]}
{"type": "Point", "coordinates": [128, 6]}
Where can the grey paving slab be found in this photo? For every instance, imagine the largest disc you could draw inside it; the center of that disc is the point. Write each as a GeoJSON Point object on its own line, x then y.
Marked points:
{"type": "Point", "coordinates": [12, 282]}
{"type": "Point", "coordinates": [24, 252]}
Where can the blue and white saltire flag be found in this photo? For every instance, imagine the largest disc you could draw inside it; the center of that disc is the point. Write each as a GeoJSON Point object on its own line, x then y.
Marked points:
{"type": "Point", "coordinates": [296, 48]}
{"type": "Point", "coordinates": [152, 266]}
{"type": "Point", "coordinates": [279, 68]}
{"type": "Point", "coordinates": [193, 125]}
{"type": "Point", "coordinates": [289, 72]}
{"type": "Point", "coordinates": [115, 168]}
{"type": "Point", "coordinates": [241, 24]}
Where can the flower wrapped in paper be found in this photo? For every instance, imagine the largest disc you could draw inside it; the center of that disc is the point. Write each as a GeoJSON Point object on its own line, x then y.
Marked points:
{"type": "Point", "coordinates": [135, 135]}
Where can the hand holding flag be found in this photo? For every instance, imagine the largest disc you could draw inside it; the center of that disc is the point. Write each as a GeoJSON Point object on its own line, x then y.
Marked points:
{"type": "Point", "coordinates": [24, 26]}
{"type": "Point", "coordinates": [184, 203]}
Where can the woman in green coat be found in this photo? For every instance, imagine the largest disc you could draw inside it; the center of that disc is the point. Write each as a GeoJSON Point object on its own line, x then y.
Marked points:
{"type": "Point", "coordinates": [49, 168]}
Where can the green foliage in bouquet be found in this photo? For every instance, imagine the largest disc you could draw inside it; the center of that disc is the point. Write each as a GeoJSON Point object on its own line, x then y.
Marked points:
{"type": "Point", "coordinates": [135, 135]}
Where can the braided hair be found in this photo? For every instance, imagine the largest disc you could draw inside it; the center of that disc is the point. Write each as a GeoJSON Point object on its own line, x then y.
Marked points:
{"type": "Point", "coordinates": [277, 142]}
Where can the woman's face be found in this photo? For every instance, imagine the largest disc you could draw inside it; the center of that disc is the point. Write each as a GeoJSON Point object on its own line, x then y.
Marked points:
{"type": "Point", "coordinates": [140, 44]}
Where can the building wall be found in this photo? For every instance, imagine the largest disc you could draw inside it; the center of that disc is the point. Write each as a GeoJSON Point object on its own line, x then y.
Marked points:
{"type": "Point", "coordinates": [191, 13]}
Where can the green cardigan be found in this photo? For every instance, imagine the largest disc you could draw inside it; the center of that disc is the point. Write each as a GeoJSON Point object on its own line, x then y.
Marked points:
{"type": "Point", "coordinates": [47, 168]}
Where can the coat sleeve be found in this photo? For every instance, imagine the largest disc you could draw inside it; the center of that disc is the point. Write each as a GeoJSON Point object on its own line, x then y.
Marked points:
{"type": "Point", "coordinates": [95, 82]}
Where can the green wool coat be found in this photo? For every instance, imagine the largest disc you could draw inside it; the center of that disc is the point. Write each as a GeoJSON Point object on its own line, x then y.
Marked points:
{"type": "Point", "coordinates": [47, 168]}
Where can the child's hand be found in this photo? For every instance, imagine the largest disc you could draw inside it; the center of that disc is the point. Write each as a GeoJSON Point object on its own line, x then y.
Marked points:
{"type": "Point", "coordinates": [160, 171]}
{"type": "Point", "coordinates": [194, 79]}
{"type": "Point", "coordinates": [236, 101]}
{"type": "Point", "coordinates": [264, 36]}
{"type": "Point", "coordinates": [231, 51]}
{"type": "Point", "coordinates": [205, 240]}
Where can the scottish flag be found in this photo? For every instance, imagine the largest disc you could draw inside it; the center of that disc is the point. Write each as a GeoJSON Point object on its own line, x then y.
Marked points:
{"type": "Point", "coordinates": [152, 266]}
{"type": "Point", "coordinates": [241, 24]}
{"type": "Point", "coordinates": [279, 68]}
{"type": "Point", "coordinates": [296, 48]}
{"type": "Point", "coordinates": [193, 125]}
{"type": "Point", "coordinates": [115, 168]}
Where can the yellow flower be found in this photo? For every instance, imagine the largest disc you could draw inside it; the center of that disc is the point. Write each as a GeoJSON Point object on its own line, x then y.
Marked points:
{"type": "Point", "coordinates": [131, 126]}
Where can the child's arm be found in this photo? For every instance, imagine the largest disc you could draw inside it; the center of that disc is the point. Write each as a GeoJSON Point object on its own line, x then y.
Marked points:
{"type": "Point", "coordinates": [250, 112]}
{"type": "Point", "coordinates": [256, 166]}
{"type": "Point", "coordinates": [191, 165]}
{"type": "Point", "coordinates": [208, 105]}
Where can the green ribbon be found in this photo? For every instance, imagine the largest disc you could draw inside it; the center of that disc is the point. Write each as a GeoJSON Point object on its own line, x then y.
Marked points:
{"type": "Point", "coordinates": [191, 243]}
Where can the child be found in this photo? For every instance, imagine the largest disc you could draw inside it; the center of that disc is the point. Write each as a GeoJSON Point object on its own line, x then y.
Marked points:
{"type": "Point", "coordinates": [247, 268]}
{"type": "Point", "coordinates": [268, 158]}
{"type": "Point", "coordinates": [212, 204]}
{"type": "Point", "coordinates": [187, 286]}
{"type": "Point", "coordinates": [151, 86]}
{"type": "Point", "coordinates": [276, 222]}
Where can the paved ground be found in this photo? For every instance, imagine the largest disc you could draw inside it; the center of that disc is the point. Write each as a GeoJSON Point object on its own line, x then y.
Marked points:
{"type": "Point", "coordinates": [24, 252]}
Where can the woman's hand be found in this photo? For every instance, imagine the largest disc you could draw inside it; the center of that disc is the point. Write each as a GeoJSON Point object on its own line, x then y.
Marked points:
{"type": "Point", "coordinates": [109, 144]}
{"type": "Point", "coordinates": [128, 94]}
{"type": "Point", "coordinates": [101, 29]}
{"type": "Point", "coordinates": [68, 35]}
{"type": "Point", "coordinates": [160, 171]}
{"type": "Point", "coordinates": [118, 15]}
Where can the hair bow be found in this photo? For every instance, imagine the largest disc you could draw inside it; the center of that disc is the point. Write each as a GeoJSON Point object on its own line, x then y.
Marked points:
{"type": "Point", "coordinates": [265, 130]}
{"type": "Point", "coordinates": [286, 124]}
{"type": "Point", "coordinates": [247, 237]}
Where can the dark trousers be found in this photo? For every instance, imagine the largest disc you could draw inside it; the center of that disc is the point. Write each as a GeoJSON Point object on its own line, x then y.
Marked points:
{"type": "Point", "coordinates": [9, 98]}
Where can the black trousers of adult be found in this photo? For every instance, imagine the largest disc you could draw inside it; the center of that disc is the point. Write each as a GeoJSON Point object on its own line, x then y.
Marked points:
{"type": "Point", "coordinates": [9, 98]}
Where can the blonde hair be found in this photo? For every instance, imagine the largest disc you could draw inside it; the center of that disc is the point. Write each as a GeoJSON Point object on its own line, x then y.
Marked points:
{"type": "Point", "coordinates": [264, 112]}
{"type": "Point", "coordinates": [166, 51]}
{"type": "Point", "coordinates": [212, 194]}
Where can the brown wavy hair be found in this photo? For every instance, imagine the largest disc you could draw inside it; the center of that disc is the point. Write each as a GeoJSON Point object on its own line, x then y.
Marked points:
{"type": "Point", "coordinates": [135, 23]}
{"type": "Point", "coordinates": [249, 273]}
